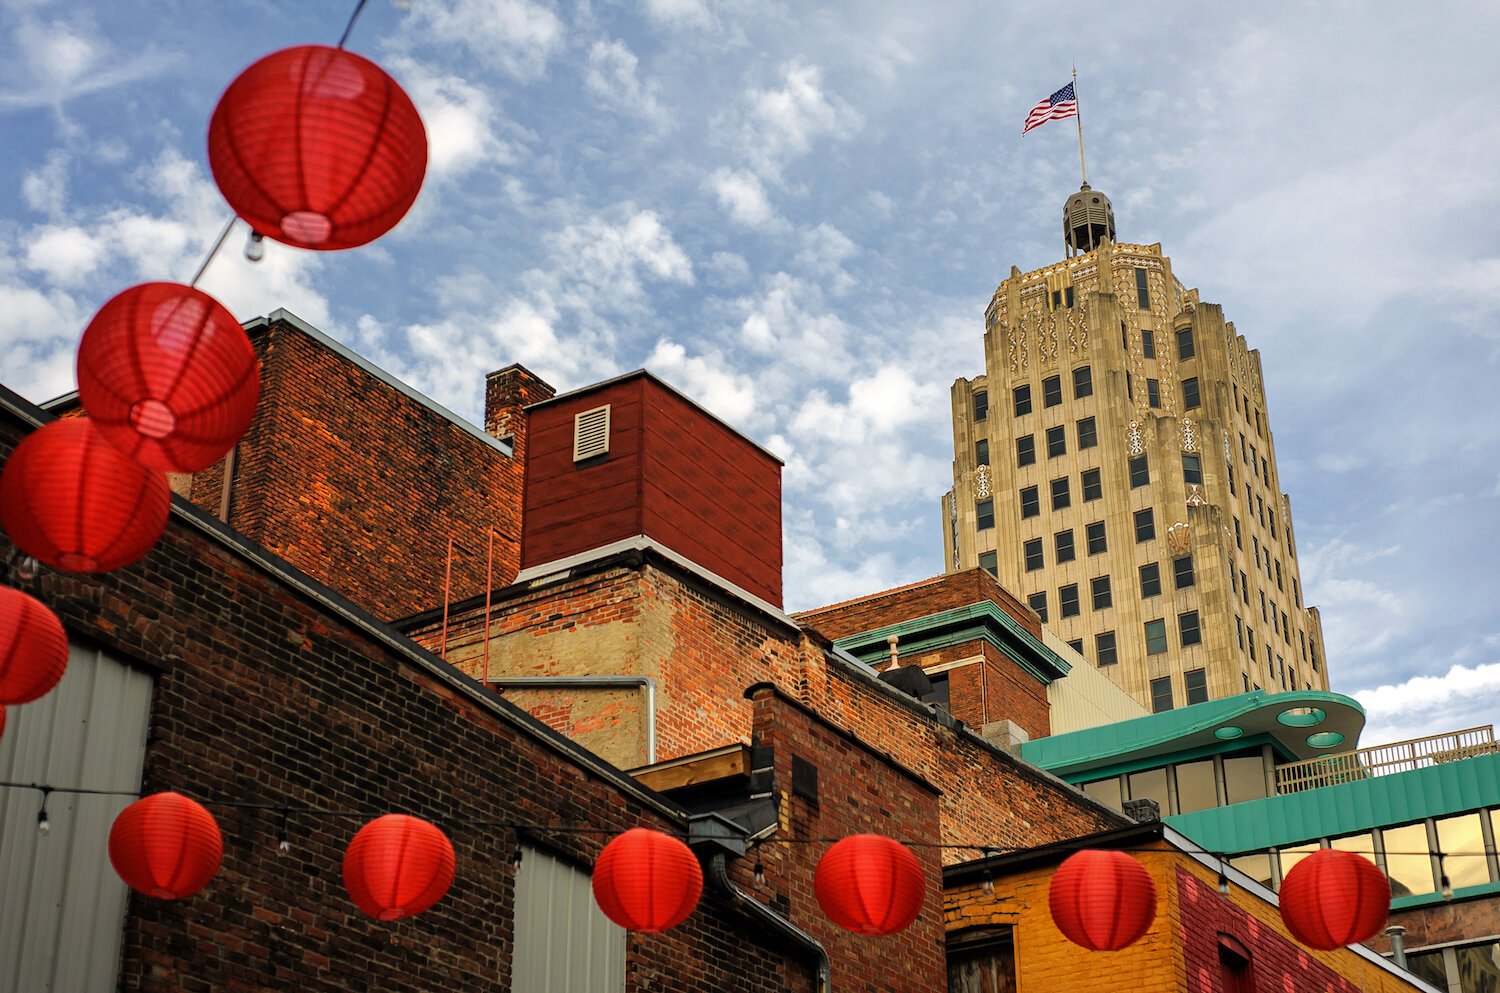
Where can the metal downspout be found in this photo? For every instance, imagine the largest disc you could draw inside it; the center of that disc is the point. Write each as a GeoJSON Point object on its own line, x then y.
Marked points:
{"type": "Point", "coordinates": [718, 874]}
{"type": "Point", "coordinates": [646, 684]}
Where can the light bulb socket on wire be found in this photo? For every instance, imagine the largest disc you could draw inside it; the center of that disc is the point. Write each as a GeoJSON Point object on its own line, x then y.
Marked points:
{"type": "Point", "coordinates": [43, 824]}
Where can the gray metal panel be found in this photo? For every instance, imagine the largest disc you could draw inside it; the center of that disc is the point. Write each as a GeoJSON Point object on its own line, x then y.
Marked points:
{"type": "Point", "coordinates": [563, 942]}
{"type": "Point", "coordinates": [62, 908]}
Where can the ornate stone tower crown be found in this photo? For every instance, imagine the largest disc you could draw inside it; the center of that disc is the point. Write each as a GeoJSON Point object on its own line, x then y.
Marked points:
{"type": "Point", "coordinates": [1088, 220]}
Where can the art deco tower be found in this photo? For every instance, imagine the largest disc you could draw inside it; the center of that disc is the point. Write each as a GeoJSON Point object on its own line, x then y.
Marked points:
{"type": "Point", "coordinates": [1114, 466]}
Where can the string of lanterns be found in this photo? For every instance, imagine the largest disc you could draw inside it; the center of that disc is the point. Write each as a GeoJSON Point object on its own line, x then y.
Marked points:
{"type": "Point", "coordinates": [168, 846]}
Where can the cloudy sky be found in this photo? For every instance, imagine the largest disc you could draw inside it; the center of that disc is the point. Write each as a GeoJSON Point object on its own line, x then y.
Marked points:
{"type": "Point", "coordinates": [796, 212]}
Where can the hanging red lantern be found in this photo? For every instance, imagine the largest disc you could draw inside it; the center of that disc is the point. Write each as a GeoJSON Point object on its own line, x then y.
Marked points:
{"type": "Point", "coordinates": [869, 884]}
{"type": "Point", "coordinates": [72, 500]}
{"type": "Point", "coordinates": [1331, 899]}
{"type": "Point", "coordinates": [1102, 900]}
{"type": "Point", "coordinates": [317, 147]}
{"type": "Point", "coordinates": [168, 376]}
{"type": "Point", "coordinates": [166, 846]}
{"type": "Point", "coordinates": [398, 866]}
{"type": "Point", "coordinates": [647, 881]}
{"type": "Point", "coordinates": [33, 647]}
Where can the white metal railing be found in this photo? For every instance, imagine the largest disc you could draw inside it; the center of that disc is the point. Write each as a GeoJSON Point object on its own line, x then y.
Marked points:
{"type": "Point", "coordinates": [1382, 760]}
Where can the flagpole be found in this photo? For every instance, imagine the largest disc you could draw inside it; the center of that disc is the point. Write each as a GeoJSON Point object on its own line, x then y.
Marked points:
{"type": "Point", "coordinates": [1078, 113]}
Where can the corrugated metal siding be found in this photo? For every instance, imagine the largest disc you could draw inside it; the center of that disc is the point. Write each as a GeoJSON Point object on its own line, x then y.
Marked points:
{"type": "Point", "coordinates": [62, 908]}
{"type": "Point", "coordinates": [563, 943]}
{"type": "Point", "coordinates": [1085, 697]}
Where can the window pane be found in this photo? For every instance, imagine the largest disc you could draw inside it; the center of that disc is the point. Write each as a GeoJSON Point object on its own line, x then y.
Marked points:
{"type": "Point", "coordinates": [1052, 391]}
{"type": "Point", "coordinates": [1093, 489]}
{"type": "Point", "coordinates": [1103, 596]}
{"type": "Point", "coordinates": [981, 406]}
{"type": "Point", "coordinates": [1033, 554]}
{"type": "Point", "coordinates": [1293, 854]}
{"type": "Point", "coordinates": [1061, 494]}
{"type": "Point", "coordinates": [1478, 967]}
{"type": "Point", "coordinates": [1256, 865]}
{"type": "Point", "coordinates": [1148, 344]}
{"type": "Point", "coordinates": [1360, 844]}
{"type": "Point", "coordinates": [1406, 860]}
{"type": "Point", "coordinates": [1195, 681]}
{"type": "Point", "coordinates": [1097, 541]}
{"type": "Point", "coordinates": [990, 563]}
{"type": "Point", "coordinates": [1462, 842]}
{"type": "Point", "coordinates": [1145, 524]}
{"type": "Point", "coordinates": [1153, 393]}
{"type": "Point", "coordinates": [1185, 344]}
{"type": "Point", "coordinates": [1150, 580]}
{"type": "Point", "coordinates": [1030, 504]}
{"type": "Point", "coordinates": [1140, 472]}
{"type": "Point", "coordinates": [1088, 433]}
{"type": "Point", "coordinates": [1192, 468]}
{"type": "Point", "coordinates": [1195, 786]}
{"type": "Point", "coordinates": [1057, 442]}
{"type": "Point", "coordinates": [1150, 785]}
{"type": "Point", "coordinates": [1142, 293]}
{"type": "Point", "coordinates": [1083, 382]}
{"type": "Point", "coordinates": [1067, 600]}
{"type": "Point", "coordinates": [1104, 649]}
{"type": "Point", "coordinates": [982, 452]}
{"type": "Point", "coordinates": [1244, 778]}
{"type": "Point", "coordinates": [1106, 791]}
{"type": "Point", "coordinates": [1161, 694]}
{"type": "Point", "coordinates": [1428, 966]}
{"type": "Point", "coordinates": [1038, 603]}
{"type": "Point", "coordinates": [984, 512]}
{"type": "Point", "coordinates": [1025, 450]}
{"type": "Point", "coordinates": [1190, 397]}
{"type": "Point", "coordinates": [1182, 571]}
{"type": "Point", "coordinates": [1063, 541]}
{"type": "Point", "coordinates": [1156, 636]}
{"type": "Point", "coordinates": [1022, 396]}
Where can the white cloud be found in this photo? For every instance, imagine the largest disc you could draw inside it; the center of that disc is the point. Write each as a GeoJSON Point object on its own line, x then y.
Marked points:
{"type": "Point", "coordinates": [741, 196]}
{"type": "Point", "coordinates": [677, 13]}
{"type": "Point", "coordinates": [783, 122]}
{"type": "Point", "coordinates": [599, 263]}
{"type": "Point", "coordinates": [46, 189]}
{"type": "Point", "coordinates": [824, 251]}
{"type": "Point", "coordinates": [1463, 697]}
{"type": "Point", "coordinates": [708, 379]}
{"type": "Point", "coordinates": [459, 117]}
{"type": "Point", "coordinates": [65, 60]}
{"type": "Point", "coordinates": [65, 255]}
{"type": "Point", "coordinates": [517, 37]}
{"type": "Point", "coordinates": [611, 78]}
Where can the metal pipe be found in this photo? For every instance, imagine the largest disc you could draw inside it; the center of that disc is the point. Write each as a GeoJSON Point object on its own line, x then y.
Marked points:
{"type": "Point", "coordinates": [718, 874]}
{"type": "Point", "coordinates": [1397, 934]}
{"type": "Point", "coordinates": [646, 683]}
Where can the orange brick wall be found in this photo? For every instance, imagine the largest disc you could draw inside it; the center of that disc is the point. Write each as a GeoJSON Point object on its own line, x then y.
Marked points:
{"type": "Point", "coordinates": [904, 603]}
{"type": "Point", "coordinates": [1174, 954]}
{"type": "Point", "coordinates": [361, 487]}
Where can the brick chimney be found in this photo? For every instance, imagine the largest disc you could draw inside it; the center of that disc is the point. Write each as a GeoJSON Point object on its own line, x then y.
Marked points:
{"type": "Point", "coordinates": [506, 392]}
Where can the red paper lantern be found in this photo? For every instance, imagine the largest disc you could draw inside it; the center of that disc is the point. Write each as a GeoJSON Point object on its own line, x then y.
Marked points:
{"type": "Point", "coordinates": [33, 647]}
{"type": "Point", "coordinates": [75, 502]}
{"type": "Point", "coordinates": [869, 884]}
{"type": "Point", "coordinates": [317, 147]}
{"type": "Point", "coordinates": [166, 846]}
{"type": "Point", "coordinates": [1102, 900]}
{"type": "Point", "coordinates": [398, 866]}
{"type": "Point", "coordinates": [1331, 899]}
{"type": "Point", "coordinates": [168, 376]}
{"type": "Point", "coordinates": [2, 722]}
{"type": "Point", "coordinates": [647, 881]}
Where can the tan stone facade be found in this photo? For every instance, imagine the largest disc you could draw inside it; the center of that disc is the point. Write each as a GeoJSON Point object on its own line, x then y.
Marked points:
{"type": "Point", "coordinates": [1114, 467]}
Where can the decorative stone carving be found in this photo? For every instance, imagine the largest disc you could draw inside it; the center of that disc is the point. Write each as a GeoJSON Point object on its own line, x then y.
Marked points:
{"type": "Point", "coordinates": [1179, 539]}
{"type": "Point", "coordinates": [1228, 452]}
{"type": "Point", "coordinates": [1195, 496]}
{"type": "Point", "coordinates": [1189, 436]}
{"type": "Point", "coordinates": [982, 482]}
{"type": "Point", "coordinates": [1133, 439]}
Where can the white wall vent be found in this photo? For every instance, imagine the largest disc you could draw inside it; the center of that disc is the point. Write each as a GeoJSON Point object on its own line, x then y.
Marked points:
{"type": "Point", "coordinates": [591, 433]}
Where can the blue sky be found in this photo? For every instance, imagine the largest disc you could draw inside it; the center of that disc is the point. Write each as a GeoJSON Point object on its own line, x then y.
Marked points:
{"type": "Point", "coordinates": [796, 212]}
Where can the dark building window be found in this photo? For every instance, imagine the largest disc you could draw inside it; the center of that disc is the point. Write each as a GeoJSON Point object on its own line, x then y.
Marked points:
{"type": "Point", "coordinates": [1097, 544]}
{"type": "Point", "coordinates": [1083, 382]}
{"type": "Point", "coordinates": [1077, 645]}
{"type": "Point", "coordinates": [1038, 603]}
{"type": "Point", "coordinates": [1145, 524]}
{"type": "Point", "coordinates": [1187, 627]}
{"type": "Point", "coordinates": [1056, 299]}
{"type": "Point", "coordinates": [1161, 694]}
{"type": "Point", "coordinates": [1030, 505]}
{"type": "Point", "coordinates": [1156, 636]}
{"type": "Point", "coordinates": [1148, 343]}
{"type": "Point", "coordinates": [1099, 586]}
{"type": "Point", "coordinates": [1057, 442]}
{"type": "Point", "coordinates": [1140, 472]}
{"type": "Point", "coordinates": [1060, 494]}
{"type": "Point", "coordinates": [1067, 296]}
{"type": "Point", "coordinates": [982, 452]}
{"type": "Point", "coordinates": [984, 512]}
{"type": "Point", "coordinates": [1093, 489]}
{"type": "Point", "coordinates": [1033, 554]}
{"type": "Point", "coordinates": [1150, 580]}
{"type": "Point", "coordinates": [981, 405]}
{"type": "Point", "coordinates": [1067, 600]}
{"type": "Point", "coordinates": [1192, 468]}
{"type": "Point", "coordinates": [1062, 543]}
{"type": "Point", "coordinates": [1025, 450]}
{"type": "Point", "coordinates": [1185, 344]}
{"type": "Point", "coordinates": [1239, 535]}
{"type": "Point", "coordinates": [1051, 391]}
{"type": "Point", "coordinates": [990, 563]}
{"type": "Point", "coordinates": [1088, 435]}
{"type": "Point", "coordinates": [1142, 292]}
{"type": "Point", "coordinates": [1104, 649]}
{"type": "Point", "coordinates": [1182, 572]}
{"type": "Point", "coordinates": [1129, 386]}
{"type": "Point", "coordinates": [1195, 681]}
{"type": "Point", "coordinates": [1022, 396]}
{"type": "Point", "coordinates": [1153, 393]}
{"type": "Point", "coordinates": [1190, 394]}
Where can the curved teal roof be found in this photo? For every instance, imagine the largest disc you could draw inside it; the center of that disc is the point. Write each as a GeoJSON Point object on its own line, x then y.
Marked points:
{"type": "Point", "coordinates": [1288, 720]}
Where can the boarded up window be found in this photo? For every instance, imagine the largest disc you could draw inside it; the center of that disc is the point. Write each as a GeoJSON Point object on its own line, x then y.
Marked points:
{"type": "Point", "coordinates": [982, 960]}
{"type": "Point", "coordinates": [563, 942]}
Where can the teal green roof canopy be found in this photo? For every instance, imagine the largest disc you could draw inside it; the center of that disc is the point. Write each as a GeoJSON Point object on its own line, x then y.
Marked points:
{"type": "Point", "coordinates": [982, 621]}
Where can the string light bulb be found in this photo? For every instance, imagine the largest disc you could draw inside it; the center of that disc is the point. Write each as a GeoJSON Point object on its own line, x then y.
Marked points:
{"type": "Point", "coordinates": [283, 841]}
{"type": "Point", "coordinates": [515, 858]}
{"type": "Point", "coordinates": [1445, 884]}
{"type": "Point", "coordinates": [1223, 883]}
{"type": "Point", "coordinates": [43, 825]}
{"type": "Point", "coordinates": [255, 246]}
{"type": "Point", "coordinates": [760, 876]}
{"type": "Point", "coordinates": [26, 568]}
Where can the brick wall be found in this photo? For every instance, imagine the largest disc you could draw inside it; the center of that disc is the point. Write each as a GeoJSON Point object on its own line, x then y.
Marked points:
{"type": "Point", "coordinates": [361, 487]}
{"type": "Point", "coordinates": [265, 695]}
{"type": "Point", "coordinates": [929, 596]}
{"type": "Point", "coordinates": [1439, 923]}
{"type": "Point", "coordinates": [992, 688]}
{"type": "Point", "coordinates": [1179, 952]}
{"type": "Point", "coordinates": [641, 616]}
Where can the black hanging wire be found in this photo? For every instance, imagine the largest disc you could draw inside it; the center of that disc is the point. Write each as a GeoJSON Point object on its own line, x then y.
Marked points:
{"type": "Point", "coordinates": [358, 7]}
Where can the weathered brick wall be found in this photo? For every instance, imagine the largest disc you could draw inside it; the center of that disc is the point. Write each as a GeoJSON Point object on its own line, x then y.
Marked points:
{"type": "Point", "coordinates": [641, 617]}
{"type": "Point", "coordinates": [860, 791]}
{"type": "Point", "coordinates": [1438, 923]}
{"type": "Point", "coordinates": [264, 695]}
{"type": "Point", "coordinates": [361, 487]}
{"type": "Point", "coordinates": [1179, 952]}
{"type": "Point", "coordinates": [929, 596]}
{"type": "Point", "coordinates": [991, 689]}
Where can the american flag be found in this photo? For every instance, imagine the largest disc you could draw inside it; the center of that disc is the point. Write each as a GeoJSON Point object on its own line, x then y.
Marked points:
{"type": "Point", "coordinates": [1056, 107]}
